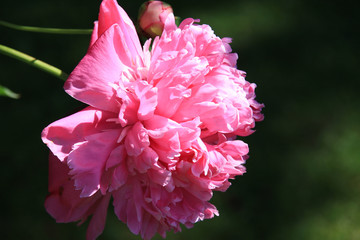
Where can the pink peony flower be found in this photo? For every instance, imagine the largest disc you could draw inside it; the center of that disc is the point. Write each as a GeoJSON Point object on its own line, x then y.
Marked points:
{"type": "Point", "coordinates": [152, 17]}
{"type": "Point", "coordinates": [159, 134]}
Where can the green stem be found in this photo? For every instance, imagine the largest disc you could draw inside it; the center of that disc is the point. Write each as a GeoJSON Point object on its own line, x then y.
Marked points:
{"type": "Point", "coordinates": [33, 62]}
{"type": "Point", "coordinates": [45, 30]}
{"type": "Point", "coordinates": [4, 91]}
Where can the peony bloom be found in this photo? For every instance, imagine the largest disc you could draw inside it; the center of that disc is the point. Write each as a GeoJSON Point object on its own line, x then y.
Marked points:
{"type": "Point", "coordinates": [159, 134]}
{"type": "Point", "coordinates": [152, 17]}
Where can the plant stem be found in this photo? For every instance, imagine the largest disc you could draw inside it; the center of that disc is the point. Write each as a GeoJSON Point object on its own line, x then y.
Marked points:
{"type": "Point", "coordinates": [45, 30]}
{"type": "Point", "coordinates": [33, 62]}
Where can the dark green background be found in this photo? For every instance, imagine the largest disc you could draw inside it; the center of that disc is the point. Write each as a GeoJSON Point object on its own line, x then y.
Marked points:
{"type": "Point", "coordinates": [303, 179]}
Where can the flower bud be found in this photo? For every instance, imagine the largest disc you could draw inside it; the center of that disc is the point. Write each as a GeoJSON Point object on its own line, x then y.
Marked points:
{"type": "Point", "coordinates": [152, 16]}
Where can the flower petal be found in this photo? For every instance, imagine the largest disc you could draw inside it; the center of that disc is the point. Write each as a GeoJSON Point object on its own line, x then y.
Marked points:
{"type": "Point", "coordinates": [128, 202]}
{"type": "Point", "coordinates": [64, 202]}
{"type": "Point", "coordinates": [97, 223]}
{"type": "Point", "coordinates": [94, 34]}
{"type": "Point", "coordinates": [136, 140]}
{"type": "Point", "coordinates": [88, 161]}
{"type": "Point", "coordinates": [62, 135]}
{"type": "Point", "coordinates": [111, 13]}
{"type": "Point", "coordinates": [92, 80]}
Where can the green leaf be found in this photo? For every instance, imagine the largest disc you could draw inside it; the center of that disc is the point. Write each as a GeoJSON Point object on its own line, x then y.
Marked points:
{"type": "Point", "coordinates": [8, 93]}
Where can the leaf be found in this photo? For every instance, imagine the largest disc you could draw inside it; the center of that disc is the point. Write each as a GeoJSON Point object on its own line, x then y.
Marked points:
{"type": "Point", "coordinates": [8, 93]}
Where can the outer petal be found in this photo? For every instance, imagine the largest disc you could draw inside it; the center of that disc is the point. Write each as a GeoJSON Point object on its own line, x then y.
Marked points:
{"type": "Point", "coordinates": [61, 135]}
{"type": "Point", "coordinates": [64, 202]}
{"type": "Point", "coordinates": [98, 220]}
{"type": "Point", "coordinates": [94, 34]}
{"type": "Point", "coordinates": [88, 161]}
{"type": "Point", "coordinates": [92, 80]}
{"type": "Point", "coordinates": [128, 201]}
{"type": "Point", "coordinates": [111, 13]}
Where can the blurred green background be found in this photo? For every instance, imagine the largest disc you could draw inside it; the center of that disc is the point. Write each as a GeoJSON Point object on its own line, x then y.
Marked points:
{"type": "Point", "coordinates": [303, 179]}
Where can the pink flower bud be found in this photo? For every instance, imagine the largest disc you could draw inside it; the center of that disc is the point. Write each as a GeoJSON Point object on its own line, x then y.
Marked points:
{"type": "Point", "coordinates": [152, 17]}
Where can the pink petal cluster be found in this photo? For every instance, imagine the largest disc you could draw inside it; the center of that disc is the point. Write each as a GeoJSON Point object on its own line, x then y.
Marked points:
{"type": "Point", "coordinates": [159, 133]}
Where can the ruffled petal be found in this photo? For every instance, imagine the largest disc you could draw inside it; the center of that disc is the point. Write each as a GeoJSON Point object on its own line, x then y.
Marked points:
{"type": "Point", "coordinates": [136, 140]}
{"type": "Point", "coordinates": [169, 137]}
{"type": "Point", "coordinates": [170, 24]}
